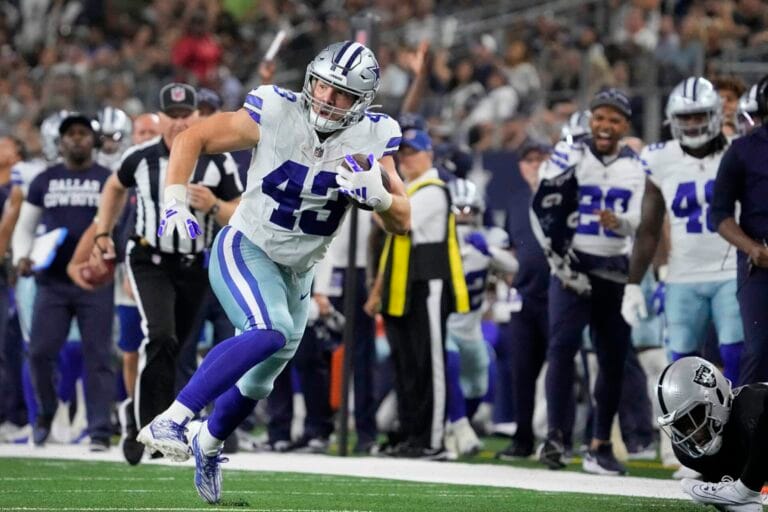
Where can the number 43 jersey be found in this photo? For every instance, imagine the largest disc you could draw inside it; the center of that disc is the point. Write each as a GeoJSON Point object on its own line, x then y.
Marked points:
{"type": "Point", "coordinates": [292, 208]}
{"type": "Point", "coordinates": [698, 253]}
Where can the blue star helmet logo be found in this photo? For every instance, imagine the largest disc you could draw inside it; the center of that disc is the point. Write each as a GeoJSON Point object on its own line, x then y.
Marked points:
{"type": "Point", "coordinates": [376, 71]}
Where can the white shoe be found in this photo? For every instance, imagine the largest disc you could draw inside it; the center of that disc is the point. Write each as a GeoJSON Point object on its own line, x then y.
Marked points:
{"type": "Point", "coordinates": [166, 436]}
{"type": "Point", "coordinates": [466, 440]}
{"type": "Point", "coordinates": [451, 444]}
{"type": "Point", "coordinates": [686, 472]}
{"type": "Point", "coordinates": [726, 495]}
{"type": "Point", "coordinates": [10, 432]}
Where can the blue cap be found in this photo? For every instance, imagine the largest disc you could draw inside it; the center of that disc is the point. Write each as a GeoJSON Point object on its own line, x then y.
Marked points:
{"type": "Point", "coordinates": [210, 97]}
{"type": "Point", "coordinates": [612, 97]}
{"type": "Point", "coordinates": [416, 139]}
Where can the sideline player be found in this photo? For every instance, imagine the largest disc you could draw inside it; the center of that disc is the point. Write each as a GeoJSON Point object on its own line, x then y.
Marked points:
{"type": "Point", "coordinates": [718, 432]}
{"type": "Point", "coordinates": [262, 263]}
{"type": "Point", "coordinates": [701, 280]}
{"type": "Point", "coordinates": [593, 187]}
{"type": "Point", "coordinates": [467, 359]}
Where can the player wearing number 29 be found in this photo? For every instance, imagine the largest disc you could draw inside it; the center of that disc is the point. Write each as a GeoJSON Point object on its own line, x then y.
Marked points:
{"type": "Point", "coordinates": [701, 282]}
{"type": "Point", "coordinates": [262, 263]}
{"type": "Point", "coordinates": [593, 187]}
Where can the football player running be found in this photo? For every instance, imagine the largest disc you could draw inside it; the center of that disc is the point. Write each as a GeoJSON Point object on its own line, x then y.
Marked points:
{"type": "Point", "coordinates": [717, 432]}
{"type": "Point", "coordinates": [262, 263]}
{"type": "Point", "coordinates": [701, 280]}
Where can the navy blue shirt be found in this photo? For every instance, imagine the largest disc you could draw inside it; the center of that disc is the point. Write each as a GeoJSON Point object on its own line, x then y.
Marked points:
{"type": "Point", "coordinates": [743, 177]}
{"type": "Point", "coordinates": [69, 199]}
{"type": "Point", "coordinates": [532, 279]}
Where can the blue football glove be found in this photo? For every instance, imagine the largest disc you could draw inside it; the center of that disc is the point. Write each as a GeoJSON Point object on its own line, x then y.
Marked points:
{"type": "Point", "coordinates": [176, 215]}
{"type": "Point", "coordinates": [478, 241]}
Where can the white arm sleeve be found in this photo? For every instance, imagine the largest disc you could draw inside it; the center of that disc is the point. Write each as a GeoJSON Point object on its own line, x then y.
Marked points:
{"type": "Point", "coordinates": [24, 234]}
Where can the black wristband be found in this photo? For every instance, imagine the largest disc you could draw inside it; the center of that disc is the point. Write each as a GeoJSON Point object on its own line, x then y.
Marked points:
{"type": "Point", "coordinates": [99, 235]}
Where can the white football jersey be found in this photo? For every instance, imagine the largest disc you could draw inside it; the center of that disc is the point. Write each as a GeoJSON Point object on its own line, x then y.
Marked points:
{"type": "Point", "coordinates": [292, 208]}
{"type": "Point", "coordinates": [697, 253]}
{"type": "Point", "coordinates": [476, 265]}
{"type": "Point", "coordinates": [617, 185]}
{"type": "Point", "coordinates": [22, 173]}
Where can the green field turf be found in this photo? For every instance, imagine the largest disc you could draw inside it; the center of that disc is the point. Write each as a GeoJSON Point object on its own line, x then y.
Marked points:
{"type": "Point", "coordinates": [28, 484]}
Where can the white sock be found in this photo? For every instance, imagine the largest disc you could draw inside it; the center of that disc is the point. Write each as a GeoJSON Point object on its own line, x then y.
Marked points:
{"type": "Point", "coordinates": [179, 413]}
{"type": "Point", "coordinates": [743, 490]}
{"type": "Point", "coordinates": [208, 444]}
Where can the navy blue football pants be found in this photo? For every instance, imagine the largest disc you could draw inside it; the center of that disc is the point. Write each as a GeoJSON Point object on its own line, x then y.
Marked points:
{"type": "Point", "coordinates": [527, 330]}
{"type": "Point", "coordinates": [753, 303]}
{"type": "Point", "coordinates": [569, 314]}
{"type": "Point", "coordinates": [56, 304]}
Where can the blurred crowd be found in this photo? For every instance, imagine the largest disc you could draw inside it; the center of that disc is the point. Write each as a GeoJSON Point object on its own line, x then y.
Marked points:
{"type": "Point", "coordinates": [84, 54]}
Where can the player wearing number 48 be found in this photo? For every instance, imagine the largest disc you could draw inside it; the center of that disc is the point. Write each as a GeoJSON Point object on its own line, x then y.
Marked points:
{"type": "Point", "coordinates": [701, 278]}
{"type": "Point", "coordinates": [262, 263]}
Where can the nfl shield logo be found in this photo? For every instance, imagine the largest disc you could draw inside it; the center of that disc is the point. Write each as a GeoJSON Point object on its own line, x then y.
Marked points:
{"type": "Point", "coordinates": [178, 94]}
{"type": "Point", "coordinates": [704, 376]}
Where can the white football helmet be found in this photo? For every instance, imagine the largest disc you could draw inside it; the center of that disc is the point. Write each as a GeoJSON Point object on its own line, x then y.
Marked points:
{"type": "Point", "coordinates": [577, 127]}
{"type": "Point", "coordinates": [465, 199]}
{"type": "Point", "coordinates": [49, 134]}
{"type": "Point", "coordinates": [115, 135]}
{"type": "Point", "coordinates": [695, 95]}
{"type": "Point", "coordinates": [695, 400]}
{"type": "Point", "coordinates": [348, 66]}
{"type": "Point", "coordinates": [746, 115]}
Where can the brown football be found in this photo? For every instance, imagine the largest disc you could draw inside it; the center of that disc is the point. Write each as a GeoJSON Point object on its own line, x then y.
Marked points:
{"type": "Point", "coordinates": [97, 278]}
{"type": "Point", "coordinates": [362, 161]}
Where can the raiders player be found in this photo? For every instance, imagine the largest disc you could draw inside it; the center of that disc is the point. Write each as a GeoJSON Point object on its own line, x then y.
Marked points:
{"type": "Point", "coordinates": [719, 432]}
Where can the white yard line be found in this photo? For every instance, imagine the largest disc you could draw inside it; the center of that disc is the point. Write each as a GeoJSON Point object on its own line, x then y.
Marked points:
{"type": "Point", "coordinates": [396, 469]}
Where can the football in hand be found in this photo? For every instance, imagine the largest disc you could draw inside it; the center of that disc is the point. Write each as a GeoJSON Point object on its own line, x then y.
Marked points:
{"type": "Point", "coordinates": [97, 277]}
{"type": "Point", "coordinates": [362, 161]}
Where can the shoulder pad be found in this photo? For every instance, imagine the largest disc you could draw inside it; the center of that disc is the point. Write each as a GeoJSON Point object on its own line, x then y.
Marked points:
{"type": "Point", "coordinates": [383, 134]}
{"type": "Point", "coordinates": [265, 102]}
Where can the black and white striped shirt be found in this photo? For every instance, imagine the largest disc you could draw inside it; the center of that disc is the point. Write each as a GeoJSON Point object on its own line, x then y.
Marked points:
{"type": "Point", "coordinates": [145, 166]}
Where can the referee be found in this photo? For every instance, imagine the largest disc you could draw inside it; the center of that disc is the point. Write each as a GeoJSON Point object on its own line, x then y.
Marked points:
{"type": "Point", "coordinates": [420, 282]}
{"type": "Point", "coordinates": [168, 275]}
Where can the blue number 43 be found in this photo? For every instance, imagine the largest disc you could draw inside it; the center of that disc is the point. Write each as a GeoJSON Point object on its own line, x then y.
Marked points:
{"type": "Point", "coordinates": [285, 185]}
{"type": "Point", "coordinates": [686, 205]}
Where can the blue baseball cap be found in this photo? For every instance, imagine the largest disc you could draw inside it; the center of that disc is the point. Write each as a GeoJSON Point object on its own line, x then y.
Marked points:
{"type": "Point", "coordinates": [416, 139]}
{"type": "Point", "coordinates": [612, 97]}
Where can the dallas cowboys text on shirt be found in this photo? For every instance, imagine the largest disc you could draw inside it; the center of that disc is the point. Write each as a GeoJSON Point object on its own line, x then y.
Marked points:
{"type": "Point", "coordinates": [72, 192]}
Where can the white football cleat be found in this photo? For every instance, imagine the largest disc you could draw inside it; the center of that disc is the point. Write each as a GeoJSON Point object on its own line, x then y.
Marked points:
{"type": "Point", "coordinates": [167, 437]}
{"type": "Point", "coordinates": [726, 495]}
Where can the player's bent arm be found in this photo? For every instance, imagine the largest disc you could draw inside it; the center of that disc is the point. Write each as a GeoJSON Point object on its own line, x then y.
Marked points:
{"type": "Point", "coordinates": [503, 260]}
{"type": "Point", "coordinates": [219, 133]}
{"type": "Point", "coordinates": [9, 219]}
{"type": "Point", "coordinates": [396, 219]}
{"type": "Point", "coordinates": [648, 233]}
{"type": "Point", "coordinates": [732, 232]}
{"type": "Point", "coordinates": [111, 202]}
{"type": "Point", "coordinates": [24, 234]}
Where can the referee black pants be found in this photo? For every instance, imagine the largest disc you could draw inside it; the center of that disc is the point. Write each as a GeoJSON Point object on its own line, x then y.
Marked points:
{"type": "Point", "coordinates": [417, 340]}
{"type": "Point", "coordinates": [169, 290]}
